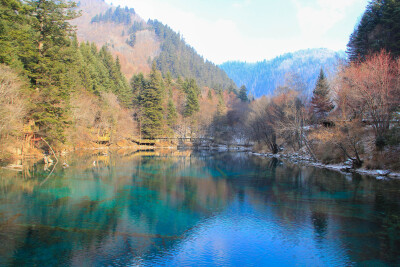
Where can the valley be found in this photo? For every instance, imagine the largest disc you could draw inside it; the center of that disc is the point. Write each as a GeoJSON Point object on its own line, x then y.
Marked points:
{"type": "Point", "coordinates": [121, 145]}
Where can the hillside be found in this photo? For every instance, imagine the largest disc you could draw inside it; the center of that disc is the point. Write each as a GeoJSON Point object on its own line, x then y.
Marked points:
{"type": "Point", "coordinates": [133, 59]}
{"type": "Point", "coordinates": [137, 43]}
{"type": "Point", "coordinates": [261, 78]}
{"type": "Point", "coordinates": [64, 94]}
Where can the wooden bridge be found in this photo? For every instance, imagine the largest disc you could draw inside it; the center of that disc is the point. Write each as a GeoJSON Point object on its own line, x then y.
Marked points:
{"type": "Point", "coordinates": [191, 139]}
{"type": "Point", "coordinates": [143, 142]}
{"type": "Point", "coordinates": [152, 142]}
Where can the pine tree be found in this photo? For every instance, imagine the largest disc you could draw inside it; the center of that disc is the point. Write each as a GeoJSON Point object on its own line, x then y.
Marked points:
{"type": "Point", "coordinates": [378, 29]}
{"type": "Point", "coordinates": [221, 107]}
{"type": "Point", "coordinates": [17, 46]}
{"type": "Point", "coordinates": [138, 84]}
{"type": "Point", "coordinates": [125, 93]}
{"type": "Point", "coordinates": [131, 41]}
{"type": "Point", "coordinates": [192, 98]}
{"type": "Point", "coordinates": [243, 94]}
{"type": "Point", "coordinates": [151, 102]}
{"type": "Point", "coordinates": [172, 115]}
{"type": "Point", "coordinates": [168, 78]}
{"type": "Point", "coordinates": [182, 60]}
{"type": "Point", "coordinates": [320, 102]}
{"type": "Point", "coordinates": [209, 95]}
{"type": "Point", "coordinates": [49, 69]}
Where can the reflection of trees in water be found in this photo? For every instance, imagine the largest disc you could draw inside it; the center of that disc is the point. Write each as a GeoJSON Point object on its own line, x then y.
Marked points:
{"type": "Point", "coordinates": [390, 222]}
{"type": "Point", "coordinates": [196, 190]}
{"type": "Point", "coordinates": [72, 222]}
{"type": "Point", "coordinates": [144, 204]}
{"type": "Point", "coordinates": [320, 223]}
{"type": "Point", "coordinates": [320, 197]}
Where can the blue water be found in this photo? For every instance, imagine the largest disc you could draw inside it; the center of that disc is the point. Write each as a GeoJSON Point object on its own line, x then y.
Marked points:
{"type": "Point", "coordinates": [195, 209]}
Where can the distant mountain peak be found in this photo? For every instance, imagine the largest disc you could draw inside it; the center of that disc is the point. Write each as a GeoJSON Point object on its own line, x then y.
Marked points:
{"type": "Point", "coordinates": [261, 78]}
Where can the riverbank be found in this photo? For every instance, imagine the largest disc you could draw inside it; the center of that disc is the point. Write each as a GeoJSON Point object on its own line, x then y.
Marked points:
{"type": "Point", "coordinates": [297, 158]}
{"type": "Point", "coordinates": [342, 168]}
{"type": "Point", "coordinates": [20, 154]}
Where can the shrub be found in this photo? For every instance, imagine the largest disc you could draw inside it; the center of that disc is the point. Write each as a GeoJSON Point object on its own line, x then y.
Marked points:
{"type": "Point", "coordinates": [329, 153]}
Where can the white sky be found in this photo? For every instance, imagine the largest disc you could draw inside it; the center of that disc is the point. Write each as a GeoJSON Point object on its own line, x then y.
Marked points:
{"type": "Point", "coordinates": [253, 30]}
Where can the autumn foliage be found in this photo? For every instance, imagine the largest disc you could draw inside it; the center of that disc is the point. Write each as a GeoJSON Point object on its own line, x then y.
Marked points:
{"type": "Point", "coordinates": [368, 98]}
{"type": "Point", "coordinates": [370, 91]}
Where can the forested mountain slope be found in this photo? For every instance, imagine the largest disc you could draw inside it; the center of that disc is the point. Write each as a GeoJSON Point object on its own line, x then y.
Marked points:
{"type": "Point", "coordinates": [261, 78]}
{"type": "Point", "coordinates": [59, 91]}
{"type": "Point", "coordinates": [133, 59]}
{"type": "Point", "coordinates": [137, 43]}
{"type": "Point", "coordinates": [378, 29]}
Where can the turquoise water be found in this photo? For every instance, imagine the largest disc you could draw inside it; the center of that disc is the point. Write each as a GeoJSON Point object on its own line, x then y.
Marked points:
{"type": "Point", "coordinates": [195, 209]}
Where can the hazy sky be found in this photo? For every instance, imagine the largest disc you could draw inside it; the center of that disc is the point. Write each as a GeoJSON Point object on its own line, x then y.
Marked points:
{"type": "Point", "coordinates": [253, 30]}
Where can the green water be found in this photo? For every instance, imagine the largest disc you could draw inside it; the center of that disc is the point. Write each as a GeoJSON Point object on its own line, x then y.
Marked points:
{"type": "Point", "coordinates": [195, 209]}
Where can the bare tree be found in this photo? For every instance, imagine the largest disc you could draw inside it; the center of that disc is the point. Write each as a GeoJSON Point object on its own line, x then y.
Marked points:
{"type": "Point", "coordinates": [262, 121]}
{"type": "Point", "coordinates": [100, 116]}
{"type": "Point", "coordinates": [371, 91]}
{"type": "Point", "coordinates": [290, 125]}
{"type": "Point", "coordinates": [12, 105]}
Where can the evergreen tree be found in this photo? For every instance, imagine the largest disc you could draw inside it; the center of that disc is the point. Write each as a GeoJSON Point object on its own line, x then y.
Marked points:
{"type": "Point", "coordinates": [321, 103]}
{"type": "Point", "coordinates": [117, 82]}
{"type": "Point", "coordinates": [232, 89]}
{"type": "Point", "coordinates": [118, 15]}
{"type": "Point", "coordinates": [131, 41]}
{"type": "Point", "coordinates": [138, 84]}
{"type": "Point", "coordinates": [36, 38]}
{"type": "Point", "coordinates": [168, 78]}
{"type": "Point", "coordinates": [98, 79]}
{"type": "Point", "coordinates": [151, 102]}
{"type": "Point", "coordinates": [182, 60]}
{"type": "Point", "coordinates": [243, 94]}
{"type": "Point", "coordinates": [50, 68]}
{"type": "Point", "coordinates": [192, 103]}
{"type": "Point", "coordinates": [378, 29]}
{"type": "Point", "coordinates": [209, 95]}
{"type": "Point", "coordinates": [17, 47]}
{"type": "Point", "coordinates": [221, 107]}
{"type": "Point", "coordinates": [124, 92]}
{"type": "Point", "coordinates": [192, 97]}
{"type": "Point", "coordinates": [172, 115]}
{"type": "Point", "coordinates": [190, 84]}
{"type": "Point", "coordinates": [179, 81]}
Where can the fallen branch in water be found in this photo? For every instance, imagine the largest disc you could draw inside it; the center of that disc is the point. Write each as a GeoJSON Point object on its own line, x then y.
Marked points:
{"type": "Point", "coordinates": [51, 150]}
{"type": "Point", "coordinates": [45, 180]}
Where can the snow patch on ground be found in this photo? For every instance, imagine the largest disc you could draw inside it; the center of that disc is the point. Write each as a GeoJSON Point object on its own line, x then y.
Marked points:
{"type": "Point", "coordinates": [342, 168]}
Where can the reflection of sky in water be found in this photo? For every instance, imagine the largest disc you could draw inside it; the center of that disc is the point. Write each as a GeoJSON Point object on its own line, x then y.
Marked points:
{"type": "Point", "coordinates": [195, 209]}
{"type": "Point", "coordinates": [241, 236]}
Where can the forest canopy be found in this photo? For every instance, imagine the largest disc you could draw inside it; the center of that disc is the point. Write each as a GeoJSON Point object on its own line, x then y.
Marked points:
{"type": "Point", "coordinates": [378, 29]}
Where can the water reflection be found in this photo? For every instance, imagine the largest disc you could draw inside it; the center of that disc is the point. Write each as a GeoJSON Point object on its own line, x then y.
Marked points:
{"type": "Point", "coordinates": [190, 208]}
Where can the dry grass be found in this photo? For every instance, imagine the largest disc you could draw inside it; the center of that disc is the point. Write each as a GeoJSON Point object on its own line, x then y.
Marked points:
{"type": "Point", "coordinates": [329, 153]}
{"type": "Point", "coordinates": [388, 159]}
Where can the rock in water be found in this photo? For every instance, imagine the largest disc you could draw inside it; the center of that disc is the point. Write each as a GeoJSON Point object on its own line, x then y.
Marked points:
{"type": "Point", "coordinates": [383, 172]}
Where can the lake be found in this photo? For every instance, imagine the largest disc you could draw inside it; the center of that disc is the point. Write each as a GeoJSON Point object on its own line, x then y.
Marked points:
{"type": "Point", "coordinates": [188, 208]}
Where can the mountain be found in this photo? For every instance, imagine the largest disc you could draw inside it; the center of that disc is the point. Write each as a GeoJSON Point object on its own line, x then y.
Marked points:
{"type": "Point", "coordinates": [114, 34]}
{"type": "Point", "coordinates": [138, 43]}
{"type": "Point", "coordinates": [261, 78]}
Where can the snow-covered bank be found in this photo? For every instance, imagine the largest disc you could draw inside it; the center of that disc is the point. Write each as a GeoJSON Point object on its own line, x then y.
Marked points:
{"type": "Point", "coordinates": [342, 168]}
{"type": "Point", "coordinates": [224, 148]}
{"type": "Point", "coordinates": [299, 158]}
